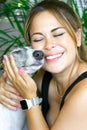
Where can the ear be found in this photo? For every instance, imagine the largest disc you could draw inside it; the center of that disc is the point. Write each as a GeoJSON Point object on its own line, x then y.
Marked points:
{"type": "Point", "coordinates": [79, 37]}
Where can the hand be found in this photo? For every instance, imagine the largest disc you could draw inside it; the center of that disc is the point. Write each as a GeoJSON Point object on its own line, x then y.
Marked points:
{"type": "Point", "coordinates": [23, 83]}
{"type": "Point", "coordinates": [8, 94]}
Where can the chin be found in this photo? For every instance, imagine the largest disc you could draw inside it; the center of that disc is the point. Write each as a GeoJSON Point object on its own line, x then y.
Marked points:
{"type": "Point", "coordinates": [54, 68]}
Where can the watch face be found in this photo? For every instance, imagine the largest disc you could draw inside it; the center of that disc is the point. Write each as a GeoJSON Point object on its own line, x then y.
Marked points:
{"type": "Point", "coordinates": [23, 104]}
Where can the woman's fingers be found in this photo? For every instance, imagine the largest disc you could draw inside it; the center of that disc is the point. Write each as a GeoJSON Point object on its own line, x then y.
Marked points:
{"type": "Point", "coordinates": [9, 103]}
{"type": "Point", "coordinates": [13, 65]}
{"type": "Point", "coordinates": [12, 70]}
{"type": "Point", "coordinates": [7, 66]}
{"type": "Point", "coordinates": [4, 86]}
{"type": "Point", "coordinates": [23, 83]}
{"type": "Point", "coordinates": [9, 97]}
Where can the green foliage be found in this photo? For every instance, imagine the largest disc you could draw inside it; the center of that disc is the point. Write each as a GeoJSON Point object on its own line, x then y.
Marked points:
{"type": "Point", "coordinates": [83, 10]}
{"type": "Point", "coordinates": [8, 39]}
{"type": "Point", "coordinates": [84, 23]}
{"type": "Point", "coordinates": [2, 1]}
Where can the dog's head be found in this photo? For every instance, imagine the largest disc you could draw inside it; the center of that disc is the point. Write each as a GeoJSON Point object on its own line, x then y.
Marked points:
{"type": "Point", "coordinates": [29, 59]}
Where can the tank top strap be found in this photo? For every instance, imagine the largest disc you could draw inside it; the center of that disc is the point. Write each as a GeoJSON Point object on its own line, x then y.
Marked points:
{"type": "Point", "coordinates": [81, 77]}
{"type": "Point", "coordinates": [45, 87]}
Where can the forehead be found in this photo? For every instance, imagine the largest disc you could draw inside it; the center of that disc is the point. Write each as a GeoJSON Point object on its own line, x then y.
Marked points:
{"type": "Point", "coordinates": [44, 19]}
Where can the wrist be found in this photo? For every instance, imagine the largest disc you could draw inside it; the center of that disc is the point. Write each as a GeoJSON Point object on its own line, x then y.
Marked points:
{"type": "Point", "coordinates": [27, 104]}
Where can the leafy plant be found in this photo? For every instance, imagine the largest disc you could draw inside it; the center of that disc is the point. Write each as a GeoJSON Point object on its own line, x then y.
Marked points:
{"type": "Point", "coordinates": [10, 11]}
{"type": "Point", "coordinates": [81, 10]}
{"type": "Point", "coordinates": [84, 23]}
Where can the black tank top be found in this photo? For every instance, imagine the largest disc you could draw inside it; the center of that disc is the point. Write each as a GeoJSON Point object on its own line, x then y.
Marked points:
{"type": "Point", "coordinates": [45, 87]}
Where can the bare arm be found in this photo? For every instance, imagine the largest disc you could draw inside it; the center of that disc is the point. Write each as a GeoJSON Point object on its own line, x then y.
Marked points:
{"type": "Point", "coordinates": [73, 115]}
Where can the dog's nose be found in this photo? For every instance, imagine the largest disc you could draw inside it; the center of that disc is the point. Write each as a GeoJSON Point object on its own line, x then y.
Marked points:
{"type": "Point", "coordinates": [38, 55]}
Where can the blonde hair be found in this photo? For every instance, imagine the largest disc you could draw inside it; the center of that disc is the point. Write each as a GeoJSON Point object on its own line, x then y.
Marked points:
{"type": "Point", "coordinates": [65, 15]}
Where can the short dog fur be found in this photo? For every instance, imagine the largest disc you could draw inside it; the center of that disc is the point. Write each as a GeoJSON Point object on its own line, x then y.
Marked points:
{"type": "Point", "coordinates": [31, 60]}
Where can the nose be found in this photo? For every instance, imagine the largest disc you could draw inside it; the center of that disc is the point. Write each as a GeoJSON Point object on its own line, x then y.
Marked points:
{"type": "Point", "coordinates": [38, 55]}
{"type": "Point", "coordinates": [50, 43]}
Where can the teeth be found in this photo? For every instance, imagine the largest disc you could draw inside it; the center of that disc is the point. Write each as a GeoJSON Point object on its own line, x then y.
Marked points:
{"type": "Point", "coordinates": [54, 56]}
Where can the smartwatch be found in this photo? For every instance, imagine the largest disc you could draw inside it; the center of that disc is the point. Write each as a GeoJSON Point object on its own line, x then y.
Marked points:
{"type": "Point", "coordinates": [27, 104]}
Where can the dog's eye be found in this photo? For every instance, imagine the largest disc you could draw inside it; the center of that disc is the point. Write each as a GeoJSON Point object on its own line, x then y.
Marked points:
{"type": "Point", "coordinates": [17, 52]}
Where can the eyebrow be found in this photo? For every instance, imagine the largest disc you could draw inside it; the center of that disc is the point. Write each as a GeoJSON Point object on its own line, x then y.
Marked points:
{"type": "Point", "coordinates": [51, 31]}
{"type": "Point", "coordinates": [56, 29]}
{"type": "Point", "coordinates": [36, 33]}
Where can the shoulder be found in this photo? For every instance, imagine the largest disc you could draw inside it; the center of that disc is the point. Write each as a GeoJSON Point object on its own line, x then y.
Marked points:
{"type": "Point", "coordinates": [79, 87]}
{"type": "Point", "coordinates": [73, 115]}
{"type": "Point", "coordinates": [79, 91]}
{"type": "Point", "coordinates": [76, 101]}
{"type": "Point", "coordinates": [78, 95]}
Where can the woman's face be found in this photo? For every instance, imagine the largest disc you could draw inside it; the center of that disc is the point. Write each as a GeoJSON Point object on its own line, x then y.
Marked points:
{"type": "Point", "coordinates": [48, 35]}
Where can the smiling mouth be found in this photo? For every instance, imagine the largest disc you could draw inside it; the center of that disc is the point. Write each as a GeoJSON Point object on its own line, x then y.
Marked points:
{"type": "Point", "coordinates": [54, 56]}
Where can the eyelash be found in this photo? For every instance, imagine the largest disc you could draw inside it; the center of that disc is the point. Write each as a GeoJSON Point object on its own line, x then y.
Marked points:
{"type": "Point", "coordinates": [59, 34]}
{"type": "Point", "coordinates": [54, 36]}
{"type": "Point", "coordinates": [37, 40]}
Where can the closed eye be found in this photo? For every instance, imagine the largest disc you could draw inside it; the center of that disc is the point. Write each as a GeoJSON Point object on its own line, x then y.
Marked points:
{"type": "Point", "coordinates": [59, 34]}
{"type": "Point", "coordinates": [37, 40]}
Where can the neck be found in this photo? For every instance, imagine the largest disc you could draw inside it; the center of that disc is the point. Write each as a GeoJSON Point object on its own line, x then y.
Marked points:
{"type": "Point", "coordinates": [65, 78]}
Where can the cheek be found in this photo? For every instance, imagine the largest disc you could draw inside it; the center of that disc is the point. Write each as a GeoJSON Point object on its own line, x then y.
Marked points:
{"type": "Point", "coordinates": [69, 43]}
{"type": "Point", "coordinates": [37, 46]}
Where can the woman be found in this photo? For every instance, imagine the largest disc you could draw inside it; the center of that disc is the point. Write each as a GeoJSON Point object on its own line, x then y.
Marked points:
{"type": "Point", "coordinates": [55, 29]}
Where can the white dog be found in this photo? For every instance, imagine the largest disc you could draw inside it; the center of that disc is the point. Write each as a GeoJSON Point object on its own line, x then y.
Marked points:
{"type": "Point", "coordinates": [31, 60]}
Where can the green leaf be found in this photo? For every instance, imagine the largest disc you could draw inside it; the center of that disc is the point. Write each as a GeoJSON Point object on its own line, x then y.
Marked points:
{"type": "Point", "coordinates": [8, 39]}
